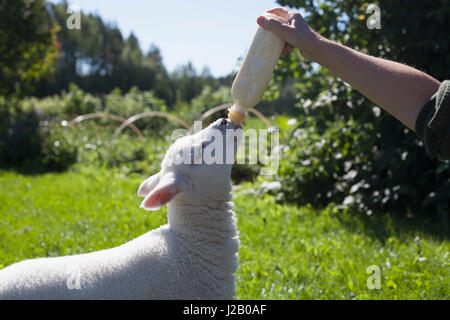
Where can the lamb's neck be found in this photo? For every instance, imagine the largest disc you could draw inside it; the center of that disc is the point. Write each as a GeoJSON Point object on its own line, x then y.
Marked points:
{"type": "Point", "coordinates": [202, 219]}
{"type": "Point", "coordinates": [208, 238]}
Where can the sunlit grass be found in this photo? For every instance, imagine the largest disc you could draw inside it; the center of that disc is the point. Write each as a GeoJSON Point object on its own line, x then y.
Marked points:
{"type": "Point", "coordinates": [286, 252]}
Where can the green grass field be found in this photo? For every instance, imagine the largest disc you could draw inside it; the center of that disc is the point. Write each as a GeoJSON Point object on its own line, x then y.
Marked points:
{"type": "Point", "coordinates": [286, 253]}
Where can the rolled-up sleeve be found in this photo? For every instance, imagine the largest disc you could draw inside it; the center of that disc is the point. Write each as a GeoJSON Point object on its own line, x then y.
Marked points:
{"type": "Point", "coordinates": [433, 123]}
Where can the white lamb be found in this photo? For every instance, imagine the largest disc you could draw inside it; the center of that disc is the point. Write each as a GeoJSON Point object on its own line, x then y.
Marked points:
{"type": "Point", "coordinates": [194, 256]}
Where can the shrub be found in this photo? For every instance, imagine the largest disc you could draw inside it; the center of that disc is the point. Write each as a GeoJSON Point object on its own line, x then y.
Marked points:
{"type": "Point", "coordinates": [342, 163]}
{"type": "Point", "coordinates": [20, 138]}
{"type": "Point", "coordinates": [134, 102]}
{"type": "Point", "coordinates": [77, 102]}
{"type": "Point", "coordinates": [57, 151]}
{"type": "Point", "coordinates": [33, 140]}
{"type": "Point", "coordinates": [208, 99]}
{"type": "Point", "coordinates": [31, 145]}
{"type": "Point", "coordinates": [244, 172]}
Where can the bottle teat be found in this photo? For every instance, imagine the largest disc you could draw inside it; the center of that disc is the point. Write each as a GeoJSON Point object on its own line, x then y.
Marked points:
{"type": "Point", "coordinates": [237, 115]}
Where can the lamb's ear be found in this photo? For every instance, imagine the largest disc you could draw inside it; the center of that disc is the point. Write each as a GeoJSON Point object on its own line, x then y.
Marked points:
{"type": "Point", "coordinates": [149, 184]}
{"type": "Point", "coordinates": [167, 188]}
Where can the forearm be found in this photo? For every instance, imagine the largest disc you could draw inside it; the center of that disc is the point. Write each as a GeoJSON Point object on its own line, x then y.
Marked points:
{"type": "Point", "coordinates": [399, 89]}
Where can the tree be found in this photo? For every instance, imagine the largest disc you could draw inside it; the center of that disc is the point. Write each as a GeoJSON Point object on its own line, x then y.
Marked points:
{"type": "Point", "coordinates": [27, 42]}
{"type": "Point", "coordinates": [164, 87]}
{"type": "Point", "coordinates": [98, 59]}
{"type": "Point", "coordinates": [187, 83]}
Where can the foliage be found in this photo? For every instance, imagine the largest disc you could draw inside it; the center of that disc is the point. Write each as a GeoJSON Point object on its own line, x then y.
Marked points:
{"type": "Point", "coordinates": [388, 164]}
{"type": "Point", "coordinates": [187, 83]}
{"type": "Point", "coordinates": [208, 99]}
{"type": "Point", "coordinates": [92, 140]}
{"type": "Point", "coordinates": [132, 102]}
{"type": "Point", "coordinates": [31, 145]}
{"type": "Point", "coordinates": [343, 164]}
{"type": "Point", "coordinates": [245, 172]}
{"type": "Point", "coordinates": [76, 102]}
{"type": "Point", "coordinates": [132, 154]}
{"type": "Point", "coordinates": [34, 136]}
{"type": "Point", "coordinates": [20, 141]}
{"type": "Point", "coordinates": [320, 167]}
{"type": "Point", "coordinates": [98, 59]}
{"type": "Point", "coordinates": [286, 252]}
{"type": "Point", "coordinates": [27, 36]}
{"type": "Point", "coordinates": [57, 154]}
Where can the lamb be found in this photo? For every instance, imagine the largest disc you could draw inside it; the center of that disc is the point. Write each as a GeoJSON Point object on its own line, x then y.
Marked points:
{"type": "Point", "coordinates": [193, 256]}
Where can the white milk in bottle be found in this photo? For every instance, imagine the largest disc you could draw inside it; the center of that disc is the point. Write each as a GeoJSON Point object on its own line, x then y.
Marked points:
{"type": "Point", "coordinates": [255, 72]}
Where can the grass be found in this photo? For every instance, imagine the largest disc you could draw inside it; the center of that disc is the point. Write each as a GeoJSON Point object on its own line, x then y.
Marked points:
{"type": "Point", "coordinates": [286, 253]}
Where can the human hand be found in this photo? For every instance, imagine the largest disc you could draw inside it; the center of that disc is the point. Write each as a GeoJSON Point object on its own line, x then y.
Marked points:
{"type": "Point", "coordinates": [296, 32]}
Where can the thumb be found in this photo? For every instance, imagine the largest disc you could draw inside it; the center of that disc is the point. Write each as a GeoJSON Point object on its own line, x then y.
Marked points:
{"type": "Point", "coordinates": [274, 25]}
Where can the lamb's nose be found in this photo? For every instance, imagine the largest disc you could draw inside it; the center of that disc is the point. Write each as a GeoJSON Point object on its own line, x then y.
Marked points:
{"type": "Point", "coordinates": [224, 121]}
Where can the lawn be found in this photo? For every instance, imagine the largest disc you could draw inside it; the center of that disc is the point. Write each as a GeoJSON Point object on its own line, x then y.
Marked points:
{"type": "Point", "coordinates": [286, 253]}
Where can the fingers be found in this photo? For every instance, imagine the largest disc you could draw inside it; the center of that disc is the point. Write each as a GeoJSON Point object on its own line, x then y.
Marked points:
{"type": "Point", "coordinates": [286, 14]}
{"type": "Point", "coordinates": [274, 25]}
{"type": "Point", "coordinates": [282, 12]}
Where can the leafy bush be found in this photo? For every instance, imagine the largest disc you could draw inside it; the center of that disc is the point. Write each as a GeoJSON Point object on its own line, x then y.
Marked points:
{"type": "Point", "coordinates": [135, 102]}
{"type": "Point", "coordinates": [49, 107]}
{"type": "Point", "coordinates": [318, 166]}
{"type": "Point", "coordinates": [77, 102]}
{"type": "Point", "coordinates": [57, 151]}
{"type": "Point", "coordinates": [209, 99]}
{"type": "Point", "coordinates": [130, 153]}
{"type": "Point", "coordinates": [343, 163]}
{"type": "Point", "coordinates": [31, 145]}
{"type": "Point", "coordinates": [33, 139]}
{"type": "Point", "coordinates": [244, 172]}
{"type": "Point", "coordinates": [28, 45]}
{"type": "Point", "coordinates": [20, 138]}
{"type": "Point", "coordinates": [132, 102]}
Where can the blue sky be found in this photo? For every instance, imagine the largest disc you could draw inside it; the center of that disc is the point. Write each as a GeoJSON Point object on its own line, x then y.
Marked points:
{"type": "Point", "coordinates": [213, 33]}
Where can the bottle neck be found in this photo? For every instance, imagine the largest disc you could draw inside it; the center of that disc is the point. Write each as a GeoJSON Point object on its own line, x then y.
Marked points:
{"type": "Point", "coordinates": [237, 114]}
{"type": "Point", "coordinates": [237, 108]}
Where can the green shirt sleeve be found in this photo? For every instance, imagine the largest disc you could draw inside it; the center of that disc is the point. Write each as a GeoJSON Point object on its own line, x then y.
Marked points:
{"type": "Point", "coordinates": [433, 123]}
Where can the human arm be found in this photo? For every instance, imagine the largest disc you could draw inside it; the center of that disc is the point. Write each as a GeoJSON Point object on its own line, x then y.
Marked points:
{"type": "Point", "coordinates": [397, 88]}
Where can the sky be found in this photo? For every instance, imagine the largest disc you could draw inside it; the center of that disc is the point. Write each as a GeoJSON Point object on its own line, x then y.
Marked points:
{"type": "Point", "coordinates": [214, 33]}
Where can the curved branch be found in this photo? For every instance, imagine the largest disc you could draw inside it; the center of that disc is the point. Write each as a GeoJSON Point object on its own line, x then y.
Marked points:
{"type": "Point", "coordinates": [130, 120]}
{"type": "Point", "coordinates": [261, 116]}
{"type": "Point", "coordinates": [95, 115]}
{"type": "Point", "coordinates": [213, 110]}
